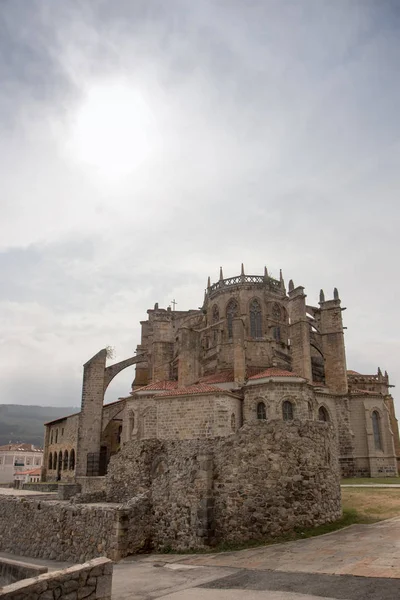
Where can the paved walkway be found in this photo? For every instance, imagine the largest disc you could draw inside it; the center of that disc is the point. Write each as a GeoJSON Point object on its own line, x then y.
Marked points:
{"type": "Point", "coordinates": [362, 550]}
{"type": "Point", "coordinates": [361, 562]}
{"type": "Point", "coordinates": [371, 485]}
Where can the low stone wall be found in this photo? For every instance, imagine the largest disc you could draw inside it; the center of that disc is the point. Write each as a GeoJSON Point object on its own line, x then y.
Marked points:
{"type": "Point", "coordinates": [92, 581]}
{"type": "Point", "coordinates": [60, 530]}
{"type": "Point", "coordinates": [263, 481]}
{"type": "Point", "coordinates": [14, 570]}
{"type": "Point", "coordinates": [40, 487]}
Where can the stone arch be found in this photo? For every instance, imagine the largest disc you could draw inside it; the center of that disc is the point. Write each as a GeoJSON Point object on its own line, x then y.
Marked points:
{"type": "Point", "coordinates": [50, 463]}
{"type": "Point", "coordinates": [376, 419]}
{"type": "Point", "coordinates": [55, 461]}
{"type": "Point", "coordinates": [96, 379]}
{"type": "Point", "coordinates": [158, 467]}
{"type": "Point", "coordinates": [59, 464]}
{"type": "Point", "coordinates": [288, 409]}
{"type": "Point", "coordinates": [276, 312]}
{"type": "Point", "coordinates": [65, 461]}
{"type": "Point", "coordinates": [232, 311]}
{"type": "Point", "coordinates": [261, 411]}
{"type": "Point", "coordinates": [255, 315]}
{"type": "Point", "coordinates": [215, 313]}
{"type": "Point", "coordinates": [323, 414]}
{"type": "Point", "coordinates": [72, 460]}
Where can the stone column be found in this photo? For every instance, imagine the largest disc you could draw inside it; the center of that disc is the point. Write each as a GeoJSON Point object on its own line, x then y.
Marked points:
{"type": "Point", "coordinates": [239, 355]}
{"type": "Point", "coordinates": [90, 417]}
{"type": "Point", "coordinates": [333, 346]}
{"type": "Point", "coordinates": [189, 354]}
{"type": "Point", "coordinates": [299, 333]}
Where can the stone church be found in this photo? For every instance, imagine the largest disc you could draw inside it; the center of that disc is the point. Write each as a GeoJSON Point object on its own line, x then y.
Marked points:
{"type": "Point", "coordinates": [241, 420]}
{"type": "Point", "coordinates": [255, 352]}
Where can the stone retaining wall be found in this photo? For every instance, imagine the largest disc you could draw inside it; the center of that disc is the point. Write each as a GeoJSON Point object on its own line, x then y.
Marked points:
{"type": "Point", "coordinates": [267, 479]}
{"type": "Point", "coordinates": [59, 530]}
{"type": "Point", "coordinates": [91, 581]}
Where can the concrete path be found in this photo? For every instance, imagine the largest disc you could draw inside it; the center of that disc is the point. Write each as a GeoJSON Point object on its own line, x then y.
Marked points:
{"type": "Point", "coordinates": [370, 485]}
{"type": "Point", "coordinates": [13, 492]}
{"type": "Point", "coordinates": [361, 550]}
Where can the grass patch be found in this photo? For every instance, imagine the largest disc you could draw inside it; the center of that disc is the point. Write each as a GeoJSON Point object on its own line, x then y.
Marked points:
{"type": "Point", "coordinates": [370, 480]}
{"type": "Point", "coordinates": [375, 503]}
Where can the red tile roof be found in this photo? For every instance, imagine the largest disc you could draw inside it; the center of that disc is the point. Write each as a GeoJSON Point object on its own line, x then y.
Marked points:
{"type": "Point", "coordinates": [15, 447]}
{"type": "Point", "coordinates": [159, 385]}
{"type": "Point", "coordinates": [222, 377]}
{"type": "Point", "coordinates": [357, 391]}
{"type": "Point", "coordinates": [274, 372]}
{"type": "Point", "coordinates": [31, 472]}
{"type": "Point", "coordinates": [192, 390]}
{"type": "Point", "coordinates": [352, 373]}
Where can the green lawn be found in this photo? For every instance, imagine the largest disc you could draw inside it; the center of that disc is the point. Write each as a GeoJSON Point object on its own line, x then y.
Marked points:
{"type": "Point", "coordinates": [370, 480]}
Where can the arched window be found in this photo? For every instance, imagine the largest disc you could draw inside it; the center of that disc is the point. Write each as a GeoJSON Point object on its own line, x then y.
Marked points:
{"type": "Point", "coordinates": [231, 313]}
{"type": "Point", "coordinates": [376, 427]}
{"type": "Point", "coordinates": [276, 312]}
{"type": "Point", "coordinates": [55, 461]}
{"type": "Point", "coordinates": [50, 462]}
{"type": "Point", "coordinates": [65, 464]}
{"type": "Point", "coordinates": [261, 411]}
{"type": "Point", "coordinates": [287, 411]}
{"type": "Point", "coordinates": [255, 320]}
{"type": "Point", "coordinates": [323, 414]}
{"type": "Point", "coordinates": [60, 461]}
{"type": "Point", "coordinates": [56, 440]}
{"type": "Point", "coordinates": [51, 438]}
{"type": "Point", "coordinates": [72, 460]}
{"type": "Point", "coordinates": [233, 422]}
{"type": "Point", "coordinates": [215, 314]}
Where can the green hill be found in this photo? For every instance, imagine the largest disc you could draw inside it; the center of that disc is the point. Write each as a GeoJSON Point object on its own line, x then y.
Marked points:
{"type": "Point", "coordinates": [19, 423]}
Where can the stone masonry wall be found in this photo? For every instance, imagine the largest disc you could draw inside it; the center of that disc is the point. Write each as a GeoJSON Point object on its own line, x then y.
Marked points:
{"type": "Point", "coordinates": [268, 478]}
{"type": "Point", "coordinates": [59, 530]}
{"type": "Point", "coordinates": [91, 581]}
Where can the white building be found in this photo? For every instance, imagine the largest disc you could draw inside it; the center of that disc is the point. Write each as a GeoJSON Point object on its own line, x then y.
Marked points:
{"type": "Point", "coordinates": [18, 457]}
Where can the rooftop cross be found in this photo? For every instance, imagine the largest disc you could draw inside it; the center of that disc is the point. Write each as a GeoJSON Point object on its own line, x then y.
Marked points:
{"type": "Point", "coordinates": [174, 303]}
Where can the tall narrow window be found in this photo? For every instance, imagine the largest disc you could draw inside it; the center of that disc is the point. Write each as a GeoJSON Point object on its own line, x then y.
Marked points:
{"type": "Point", "coordinates": [231, 313]}
{"type": "Point", "coordinates": [215, 314]}
{"type": "Point", "coordinates": [376, 427]}
{"type": "Point", "coordinates": [50, 462]}
{"type": "Point", "coordinates": [323, 414]}
{"type": "Point", "coordinates": [72, 460]}
{"type": "Point", "coordinates": [287, 411]}
{"type": "Point", "coordinates": [55, 461]}
{"type": "Point", "coordinates": [277, 334]}
{"type": "Point", "coordinates": [255, 320]}
{"type": "Point", "coordinates": [65, 464]}
{"type": "Point", "coordinates": [261, 411]}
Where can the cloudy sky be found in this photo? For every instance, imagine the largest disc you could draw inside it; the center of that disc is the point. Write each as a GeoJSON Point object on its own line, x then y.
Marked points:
{"type": "Point", "coordinates": [144, 143]}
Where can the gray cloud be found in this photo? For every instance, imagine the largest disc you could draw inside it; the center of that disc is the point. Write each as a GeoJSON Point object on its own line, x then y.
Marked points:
{"type": "Point", "coordinates": [260, 132]}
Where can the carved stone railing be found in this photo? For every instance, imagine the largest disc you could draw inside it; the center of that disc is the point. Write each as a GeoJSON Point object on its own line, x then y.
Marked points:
{"type": "Point", "coordinates": [243, 279]}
